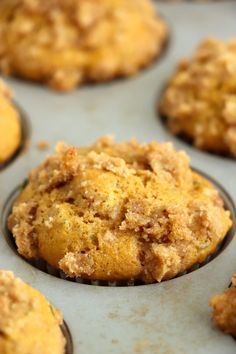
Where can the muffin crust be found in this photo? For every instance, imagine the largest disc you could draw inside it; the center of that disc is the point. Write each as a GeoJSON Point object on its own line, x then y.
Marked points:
{"type": "Point", "coordinates": [10, 128]}
{"type": "Point", "coordinates": [200, 99]}
{"type": "Point", "coordinates": [118, 212]}
{"type": "Point", "coordinates": [66, 43]}
{"type": "Point", "coordinates": [224, 309]}
{"type": "Point", "coordinates": [28, 323]}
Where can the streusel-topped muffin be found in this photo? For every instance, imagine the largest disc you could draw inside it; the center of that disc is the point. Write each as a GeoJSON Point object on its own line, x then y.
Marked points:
{"type": "Point", "coordinates": [10, 126]}
{"type": "Point", "coordinates": [224, 309]}
{"type": "Point", "coordinates": [118, 212]}
{"type": "Point", "coordinates": [28, 323]}
{"type": "Point", "coordinates": [66, 43]}
{"type": "Point", "coordinates": [200, 99]}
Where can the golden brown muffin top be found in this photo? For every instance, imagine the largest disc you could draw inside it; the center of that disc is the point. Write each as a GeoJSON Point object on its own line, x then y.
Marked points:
{"type": "Point", "coordinates": [200, 99]}
{"type": "Point", "coordinates": [28, 323]}
{"type": "Point", "coordinates": [68, 42]}
{"type": "Point", "coordinates": [10, 127]}
{"type": "Point", "coordinates": [224, 309]}
{"type": "Point", "coordinates": [118, 212]}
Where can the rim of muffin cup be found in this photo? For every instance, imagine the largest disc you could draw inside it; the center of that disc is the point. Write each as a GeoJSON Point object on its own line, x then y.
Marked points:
{"type": "Point", "coordinates": [68, 338]}
{"type": "Point", "coordinates": [48, 269]}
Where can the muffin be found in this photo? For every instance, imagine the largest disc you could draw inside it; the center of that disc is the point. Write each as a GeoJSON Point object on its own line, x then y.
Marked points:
{"type": "Point", "coordinates": [199, 102]}
{"type": "Point", "coordinates": [224, 309]}
{"type": "Point", "coordinates": [10, 126]}
{"type": "Point", "coordinates": [28, 323]}
{"type": "Point", "coordinates": [66, 43]}
{"type": "Point", "coordinates": [118, 212]}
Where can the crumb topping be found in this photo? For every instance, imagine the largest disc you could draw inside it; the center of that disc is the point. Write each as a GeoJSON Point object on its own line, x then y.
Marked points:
{"type": "Point", "coordinates": [118, 212]}
{"type": "Point", "coordinates": [14, 301]}
{"type": "Point", "coordinates": [66, 43]}
{"type": "Point", "coordinates": [224, 309]}
{"type": "Point", "coordinates": [28, 323]}
{"type": "Point", "coordinates": [200, 101]}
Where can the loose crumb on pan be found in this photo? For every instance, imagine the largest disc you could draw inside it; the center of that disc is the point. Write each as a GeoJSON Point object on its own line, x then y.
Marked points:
{"type": "Point", "coordinates": [118, 212]}
{"type": "Point", "coordinates": [199, 102]}
{"type": "Point", "coordinates": [114, 341]}
{"type": "Point", "coordinates": [141, 346]}
{"type": "Point", "coordinates": [224, 309]}
{"type": "Point", "coordinates": [43, 145]}
{"type": "Point", "coordinates": [67, 43]}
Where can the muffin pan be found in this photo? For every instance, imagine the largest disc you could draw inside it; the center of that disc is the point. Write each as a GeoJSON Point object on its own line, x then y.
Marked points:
{"type": "Point", "coordinates": [170, 317]}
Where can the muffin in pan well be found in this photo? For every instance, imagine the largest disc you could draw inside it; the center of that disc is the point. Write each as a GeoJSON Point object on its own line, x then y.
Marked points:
{"type": "Point", "coordinates": [66, 43]}
{"type": "Point", "coordinates": [28, 323]}
{"type": "Point", "coordinates": [224, 309]}
{"type": "Point", "coordinates": [199, 102]}
{"type": "Point", "coordinates": [10, 125]}
{"type": "Point", "coordinates": [118, 212]}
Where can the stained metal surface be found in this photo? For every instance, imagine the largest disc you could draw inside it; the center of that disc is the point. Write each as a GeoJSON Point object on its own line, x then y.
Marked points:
{"type": "Point", "coordinates": [172, 317]}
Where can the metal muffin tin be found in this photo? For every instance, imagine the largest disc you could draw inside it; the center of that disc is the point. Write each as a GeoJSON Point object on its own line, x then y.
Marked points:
{"type": "Point", "coordinates": [172, 317]}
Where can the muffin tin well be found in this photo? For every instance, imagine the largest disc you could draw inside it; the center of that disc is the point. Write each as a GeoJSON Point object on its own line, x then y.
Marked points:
{"type": "Point", "coordinates": [170, 317]}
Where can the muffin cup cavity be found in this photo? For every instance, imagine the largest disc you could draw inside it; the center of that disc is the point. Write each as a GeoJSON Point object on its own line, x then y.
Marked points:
{"type": "Point", "coordinates": [25, 135]}
{"type": "Point", "coordinates": [46, 268]}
